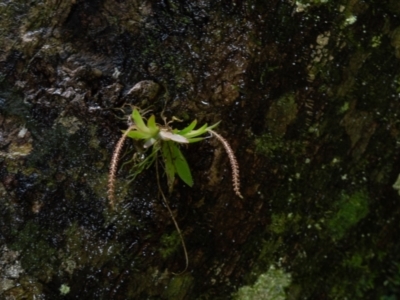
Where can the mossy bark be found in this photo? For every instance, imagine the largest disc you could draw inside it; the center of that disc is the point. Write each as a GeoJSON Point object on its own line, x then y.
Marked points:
{"type": "Point", "coordinates": [308, 96]}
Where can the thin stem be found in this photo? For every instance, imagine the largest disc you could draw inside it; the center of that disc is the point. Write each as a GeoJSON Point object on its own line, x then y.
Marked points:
{"type": "Point", "coordinates": [233, 162]}
{"type": "Point", "coordinates": [175, 223]}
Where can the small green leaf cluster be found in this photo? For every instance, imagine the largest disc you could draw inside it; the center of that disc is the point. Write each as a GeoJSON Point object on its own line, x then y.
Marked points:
{"type": "Point", "coordinates": [165, 140]}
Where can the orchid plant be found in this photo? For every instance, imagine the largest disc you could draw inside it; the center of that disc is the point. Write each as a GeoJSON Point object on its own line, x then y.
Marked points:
{"type": "Point", "coordinates": [164, 140]}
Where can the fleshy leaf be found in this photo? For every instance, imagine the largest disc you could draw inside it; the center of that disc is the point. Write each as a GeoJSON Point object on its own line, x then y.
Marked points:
{"type": "Point", "coordinates": [137, 118]}
{"type": "Point", "coordinates": [140, 130]}
{"type": "Point", "coordinates": [197, 132]}
{"type": "Point", "coordinates": [137, 135]}
{"type": "Point", "coordinates": [181, 165]}
{"type": "Point", "coordinates": [169, 164]}
{"type": "Point", "coordinates": [213, 126]}
{"type": "Point", "coordinates": [188, 128]}
{"type": "Point", "coordinates": [151, 123]}
{"type": "Point", "coordinates": [194, 140]}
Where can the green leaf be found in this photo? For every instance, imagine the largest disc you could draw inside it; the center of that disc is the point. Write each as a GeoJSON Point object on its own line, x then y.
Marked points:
{"type": "Point", "coordinates": [169, 164]}
{"type": "Point", "coordinates": [175, 162]}
{"type": "Point", "coordinates": [194, 140]}
{"type": "Point", "coordinates": [151, 129]}
{"type": "Point", "coordinates": [137, 118]}
{"type": "Point", "coordinates": [188, 129]}
{"type": "Point", "coordinates": [151, 123]}
{"type": "Point", "coordinates": [137, 135]}
{"type": "Point", "coordinates": [213, 126]}
{"type": "Point", "coordinates": [181, 165]}
{"type": "Point", "coordinates": [195, 133]}
{"type": "Point", "coordinates": [140, 130]}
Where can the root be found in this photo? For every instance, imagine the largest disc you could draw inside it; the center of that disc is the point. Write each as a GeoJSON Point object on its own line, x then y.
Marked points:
{"type": "Point", "coordinates": [175, 223]}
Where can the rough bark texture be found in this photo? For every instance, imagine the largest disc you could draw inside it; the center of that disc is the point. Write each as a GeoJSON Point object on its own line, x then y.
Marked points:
{"type": "Point", "coordinates": [308, 96]}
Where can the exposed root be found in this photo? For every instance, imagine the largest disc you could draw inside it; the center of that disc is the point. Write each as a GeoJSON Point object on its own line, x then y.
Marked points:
{"type": "Point", "coordinates": [233, 162]}
{"type": "Point", "coordinates": [175, 223]}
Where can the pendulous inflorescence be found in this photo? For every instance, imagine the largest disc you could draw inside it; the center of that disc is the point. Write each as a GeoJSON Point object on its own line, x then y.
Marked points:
{"type": "Point", "coordinates": [233, 162]}
{"type": "Point", "coordinates": [114, 168]}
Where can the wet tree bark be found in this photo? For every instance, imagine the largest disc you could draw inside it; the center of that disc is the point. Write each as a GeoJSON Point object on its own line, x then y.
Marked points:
{"type": "Point", "coordinates": [307, 95]}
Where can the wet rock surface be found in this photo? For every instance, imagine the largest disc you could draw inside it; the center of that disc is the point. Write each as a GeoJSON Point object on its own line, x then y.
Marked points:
{"type": "Point", "coordinates": [308, 98]}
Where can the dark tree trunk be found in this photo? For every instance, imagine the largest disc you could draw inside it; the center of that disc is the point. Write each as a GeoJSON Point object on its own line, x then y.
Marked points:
{"type": "Point", "coordinates": [307, 95]}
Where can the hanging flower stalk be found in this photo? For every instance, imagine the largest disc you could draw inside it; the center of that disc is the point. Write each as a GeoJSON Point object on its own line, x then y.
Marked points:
{"type": "Point", "coordinates": [233, 162]}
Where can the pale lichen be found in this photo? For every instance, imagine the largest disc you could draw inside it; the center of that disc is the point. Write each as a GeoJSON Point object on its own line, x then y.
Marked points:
{"type": "Point", "coordinates": [270, 285]}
